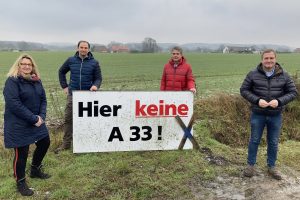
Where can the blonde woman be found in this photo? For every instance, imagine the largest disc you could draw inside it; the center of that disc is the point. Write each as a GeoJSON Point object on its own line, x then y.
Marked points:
{"type": "Point", "coordinates": [25, 113]}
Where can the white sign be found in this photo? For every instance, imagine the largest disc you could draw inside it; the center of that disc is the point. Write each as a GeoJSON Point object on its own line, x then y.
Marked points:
{"type": "Point", "coordinates": [129, 121]}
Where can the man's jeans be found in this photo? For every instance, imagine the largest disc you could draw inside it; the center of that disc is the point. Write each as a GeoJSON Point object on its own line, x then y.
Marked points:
{"type": "Point", "coordinates": [258, 122]}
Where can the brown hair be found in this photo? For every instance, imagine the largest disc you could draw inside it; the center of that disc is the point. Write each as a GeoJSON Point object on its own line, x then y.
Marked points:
{"type": "Point", "coordinates": [83, 41]}
{"type": "Point", "coordinates": [177, 48]}
{"type": "Point", "coordinates": [268, 51]}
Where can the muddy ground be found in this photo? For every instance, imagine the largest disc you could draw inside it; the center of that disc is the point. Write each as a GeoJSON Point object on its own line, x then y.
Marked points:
{"type": "Point", "coordinates": [238, 187]}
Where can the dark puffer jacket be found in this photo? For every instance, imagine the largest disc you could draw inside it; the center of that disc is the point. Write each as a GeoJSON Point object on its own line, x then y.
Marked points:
{"type": "Point", "coordinates": [177, 78]}
{"type": "Point", "coordinates": [84, 73]}
{"type": "Point", "coordinates": [24, 100]}
{"type": "Point", "coordinates": [258, 86]}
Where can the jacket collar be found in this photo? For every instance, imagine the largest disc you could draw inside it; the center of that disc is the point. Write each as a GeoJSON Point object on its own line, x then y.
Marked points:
{"type": "Point", "coordinates": [181, 62]}
{"type": "Point", "coordinates": [278, 69]}
{"type": "Point", "coordinates": [89, 55]}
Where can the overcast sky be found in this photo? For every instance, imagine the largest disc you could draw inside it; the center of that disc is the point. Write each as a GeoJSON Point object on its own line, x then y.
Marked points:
{"type": "Point", "coordinates": [176, 21]}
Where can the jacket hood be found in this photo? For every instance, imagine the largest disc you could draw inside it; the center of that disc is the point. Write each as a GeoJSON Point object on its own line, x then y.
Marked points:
{"type": "Point", "coordinates": [89, 55]}
{"type": "Point", "coordinates": [278, 68]}
{"type": "Point", "coordinates": [181, 62]}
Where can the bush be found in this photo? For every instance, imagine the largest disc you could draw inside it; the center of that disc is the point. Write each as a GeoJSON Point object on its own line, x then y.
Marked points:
{"type": "Point", "coordinates": [228, 119]}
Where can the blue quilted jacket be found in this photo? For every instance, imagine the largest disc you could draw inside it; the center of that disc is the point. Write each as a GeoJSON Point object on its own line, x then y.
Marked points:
{"type": "Point", "coordinates": [84, 73]}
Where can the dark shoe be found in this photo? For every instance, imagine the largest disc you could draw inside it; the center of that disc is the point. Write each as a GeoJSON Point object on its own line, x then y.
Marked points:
{"type": "Point", "coordinates": [36, 172]}
{"type": "Point", "coordinates": [24, 189]}
{"type": "Point", "coordinates": [62, 148]}
{"type": "Point", "coordinates": [272, 171]}
{"type": "Point", "coordinates": [249, 171]}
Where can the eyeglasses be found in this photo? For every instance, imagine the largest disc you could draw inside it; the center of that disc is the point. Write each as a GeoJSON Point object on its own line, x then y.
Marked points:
{"type": "Point", "coordinates": [26, 64]}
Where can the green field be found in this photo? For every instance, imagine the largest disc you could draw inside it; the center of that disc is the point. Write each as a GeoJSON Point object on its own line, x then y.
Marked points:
{"type": "Point", "coordinates": [143, 71]}
{"type": "Point", "coordinates": [143, 175]}
{"type": "Point", "coordinates": [213, 72]}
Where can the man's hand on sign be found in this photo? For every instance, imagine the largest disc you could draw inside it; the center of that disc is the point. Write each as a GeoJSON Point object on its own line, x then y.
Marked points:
{"type": "Point", "coordinates": [93, 88]}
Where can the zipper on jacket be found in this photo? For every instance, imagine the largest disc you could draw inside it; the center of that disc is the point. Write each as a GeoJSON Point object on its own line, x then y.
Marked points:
{"type": "Point", "coordinates": [269, 89]}
{"type": "Point", "coordinates": [80, 74]}
{"type": "Point", "coordinates": [174, 75]}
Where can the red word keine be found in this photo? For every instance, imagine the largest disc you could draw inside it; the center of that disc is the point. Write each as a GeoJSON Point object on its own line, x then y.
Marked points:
{"type": "Point", "coordinates": [160, 110]}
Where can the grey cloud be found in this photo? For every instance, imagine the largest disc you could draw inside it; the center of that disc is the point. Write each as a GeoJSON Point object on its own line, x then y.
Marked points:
{"type": "Point", "coordinates": [166, 20]}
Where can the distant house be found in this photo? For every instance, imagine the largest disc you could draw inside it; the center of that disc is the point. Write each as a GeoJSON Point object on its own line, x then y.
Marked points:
{"type": "Point", "coordinates": [235, 49]}
{"type": "Point", "coordinates": [226, 50]}
{"type": "Point", "coordinates": [297, 50]}
{"type": "Point", "coordinates": [119, 49]}
{"type": "Point", "coordinates": [100, 48]}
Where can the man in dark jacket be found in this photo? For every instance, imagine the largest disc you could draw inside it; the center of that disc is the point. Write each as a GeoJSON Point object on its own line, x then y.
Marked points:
{"type": "Point", "coordinates": [268, 88]}
{"type": "Point", "coordinates": [85, 74]}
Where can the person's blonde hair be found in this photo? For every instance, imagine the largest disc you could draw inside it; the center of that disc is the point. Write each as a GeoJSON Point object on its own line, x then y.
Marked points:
{"type": "Point", "coordinates": [14, 70]}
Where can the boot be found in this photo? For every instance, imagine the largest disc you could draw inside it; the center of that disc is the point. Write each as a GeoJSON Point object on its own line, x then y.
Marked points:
{"type": "Point", "coordinates": [274, 173]}
{"type": "Point", "coordinates": [249, 171]}
{"type": "Point", "coordinates": [24, 189]}
{"type": "Point", "coordinates": [36, 172]}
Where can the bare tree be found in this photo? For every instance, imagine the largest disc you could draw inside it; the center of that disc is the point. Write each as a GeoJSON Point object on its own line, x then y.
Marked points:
{"type": "Point", "coordinates": [149, 45]}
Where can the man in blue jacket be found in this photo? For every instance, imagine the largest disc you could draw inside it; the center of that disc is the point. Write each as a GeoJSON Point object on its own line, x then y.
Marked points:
{"type": "Point", "coordinates": [268, 88]}
{"type": "Point", "coordinates": [85, 74]}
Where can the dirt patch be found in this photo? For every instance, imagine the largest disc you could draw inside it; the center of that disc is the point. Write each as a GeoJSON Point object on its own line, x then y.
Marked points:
{"type": "Point", "coordinates": [259, 187]}
{"type": "Point", "coordinates": [213, 159]}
